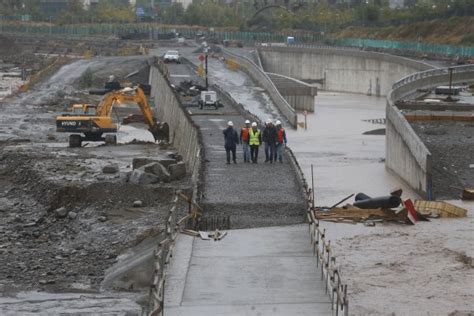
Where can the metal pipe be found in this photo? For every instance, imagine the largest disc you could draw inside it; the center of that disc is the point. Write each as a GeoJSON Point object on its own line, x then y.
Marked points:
{"type": "Point", "coordinates": [379, 202]}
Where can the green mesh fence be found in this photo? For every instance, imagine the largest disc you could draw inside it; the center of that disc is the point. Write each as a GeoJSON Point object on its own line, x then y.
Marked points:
{"type": "Point", "coordinates": [118, 29]}
{"type": "Point", "coordinates": [152, 31]}
{"type": "Point", "coordinates": [448, 50]}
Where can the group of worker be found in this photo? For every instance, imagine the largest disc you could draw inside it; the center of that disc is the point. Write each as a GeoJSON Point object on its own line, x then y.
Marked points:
{"type": "Point", "coordinates": [251, 138]}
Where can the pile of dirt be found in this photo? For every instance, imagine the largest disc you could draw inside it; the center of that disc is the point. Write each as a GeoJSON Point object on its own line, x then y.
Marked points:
{"type": "Point", "coordinates": [452, 147]}
{"type": "Point", "coordinates": [8, 47]}
{"type": "Point", "coordinates": [57, 235]}
{"type": "Point", "coordinates": [12, 53]}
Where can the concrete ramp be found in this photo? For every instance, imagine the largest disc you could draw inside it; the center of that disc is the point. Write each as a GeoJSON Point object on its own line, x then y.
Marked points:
{"type": "Point", "coordinates": [261, 271]}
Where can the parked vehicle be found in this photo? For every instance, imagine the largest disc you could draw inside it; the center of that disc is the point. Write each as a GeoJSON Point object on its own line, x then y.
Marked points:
{"type": "Point", "coordinates": [172, 56]}
{"type": "Point", "coordinates": [208, 98]}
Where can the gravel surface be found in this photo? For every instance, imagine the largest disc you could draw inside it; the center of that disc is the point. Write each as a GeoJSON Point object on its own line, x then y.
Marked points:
{"type": "Point", "coordinates": [452, 148]}
{"type": "Point", "coordinates": [253, 195]}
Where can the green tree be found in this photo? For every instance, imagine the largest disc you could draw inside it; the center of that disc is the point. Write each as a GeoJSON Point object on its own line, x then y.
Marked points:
{"type": "Point", "coordinates": [369, 14]}
{"type": "Point", "coordinates": [173, 14]}
{"type": "Point", "coordinates": [74, 13]}
{"type": "Point", "coordinates": [114, 11]}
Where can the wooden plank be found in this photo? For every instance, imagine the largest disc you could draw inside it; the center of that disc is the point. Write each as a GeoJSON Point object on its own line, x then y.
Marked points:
{"type": "Point", "coordinates": [443, 209]}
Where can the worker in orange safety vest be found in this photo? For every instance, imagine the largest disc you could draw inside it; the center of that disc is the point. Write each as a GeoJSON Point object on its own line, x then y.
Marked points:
{"type": "Point", "coordinates": [281, 141]}
{"type": "Point", "coordinates": [244, 140]}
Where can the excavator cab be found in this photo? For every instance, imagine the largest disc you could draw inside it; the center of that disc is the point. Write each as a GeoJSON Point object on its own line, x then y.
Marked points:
{"type": "Point", "coordinates": [84, 109]}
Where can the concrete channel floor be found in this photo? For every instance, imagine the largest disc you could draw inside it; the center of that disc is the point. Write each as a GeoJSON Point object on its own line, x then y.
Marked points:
{"type": "Point", "coordinates": [264, 271]}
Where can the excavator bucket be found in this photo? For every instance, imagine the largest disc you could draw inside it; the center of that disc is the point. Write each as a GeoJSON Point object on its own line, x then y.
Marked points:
{"type": "Point", "coordinates": [161, 132]}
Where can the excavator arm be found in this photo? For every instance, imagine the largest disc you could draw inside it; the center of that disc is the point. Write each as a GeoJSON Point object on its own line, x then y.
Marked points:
{"type": "Point", "coordinates": [160, 131]}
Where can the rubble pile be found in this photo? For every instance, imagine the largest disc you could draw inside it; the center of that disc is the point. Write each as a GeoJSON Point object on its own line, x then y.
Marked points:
{"type": "Point", "coordinates": [392, 208]}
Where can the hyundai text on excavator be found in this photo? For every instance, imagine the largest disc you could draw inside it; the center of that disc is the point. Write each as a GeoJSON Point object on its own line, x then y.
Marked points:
{"type": "Point", "coordinates": [95, 120]}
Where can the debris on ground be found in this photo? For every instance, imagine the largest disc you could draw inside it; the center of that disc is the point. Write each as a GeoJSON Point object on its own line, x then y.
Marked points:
{"type": "Point", "coordinates": [368, 210]}
{"type": "Point", "coordinates": [189, 88]}
{"type": "Point", "coordinates": [385, 202]}
{"type": "Point", "coordinates": [215, 235]}
{"type": "Point", "coordinates": [150, 171]}
{"type": "Point", "coordinates": [441, 209]}
{"type": "Point", "coordinates": [352, 214]}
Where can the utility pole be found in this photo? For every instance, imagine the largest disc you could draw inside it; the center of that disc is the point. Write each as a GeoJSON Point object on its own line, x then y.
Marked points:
{"type": "Point", "coordinates": [206, 53]}
{"type": "Point", "coordinates": [450, 96]}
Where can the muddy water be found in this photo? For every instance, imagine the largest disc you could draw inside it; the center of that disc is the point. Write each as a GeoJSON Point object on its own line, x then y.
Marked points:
{"type": "Point", "coordinates": [344, 160]}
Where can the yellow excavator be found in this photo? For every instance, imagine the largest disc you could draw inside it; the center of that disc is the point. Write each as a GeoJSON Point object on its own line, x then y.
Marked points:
{"type": "Point", "coordinates": [95, 120]}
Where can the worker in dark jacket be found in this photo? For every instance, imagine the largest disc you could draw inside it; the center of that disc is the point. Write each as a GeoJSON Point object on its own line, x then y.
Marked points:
{"type": "Point", "coordinates": [231, 139]}
{"type": "Point", "coordinates": [269, 136]}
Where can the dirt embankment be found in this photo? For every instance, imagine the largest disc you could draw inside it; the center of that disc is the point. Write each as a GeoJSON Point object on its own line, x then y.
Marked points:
{"type": "Point", "coordinates": [454, 31]}
{"type": "Point", "coordinates": [63, 219]}
{"type": "Point", "coordinates": [56, 231]}
{"type": "Point", "coordinates": [452, 148]}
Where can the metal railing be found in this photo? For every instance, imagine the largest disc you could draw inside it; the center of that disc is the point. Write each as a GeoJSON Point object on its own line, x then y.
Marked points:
{"type": "Point", "coordinates": [429, 73]}
{"type": "Point", "coordinates": [164, 251]}
{"type": "Point", "coordinates": [325, 259]}
{"type": "Point", "coordinates": [162, 255]}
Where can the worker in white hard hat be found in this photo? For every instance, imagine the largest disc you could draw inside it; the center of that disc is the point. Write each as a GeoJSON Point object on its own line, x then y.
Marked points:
{"type": "Point", "coordinates": [231, 139]}
{"type": "Point", "coordinates": [269, 137]}
{"type": "Point", "coordinates": [244, 140]}
{"type": "Point", "coordinates": [280, 142]}
{"type": "Point", "coordinates": [255, 140]}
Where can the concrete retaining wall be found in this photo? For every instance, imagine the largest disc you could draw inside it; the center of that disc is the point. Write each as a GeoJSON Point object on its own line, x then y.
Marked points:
{"type": "Point", "coordinates": [345, 70]}
{"type": "Point", "coordinates": [184, 134]}
{"type": "Point", "coordinates": [261, 78]}
{"type": "Point", "coordinates": [406, 155]}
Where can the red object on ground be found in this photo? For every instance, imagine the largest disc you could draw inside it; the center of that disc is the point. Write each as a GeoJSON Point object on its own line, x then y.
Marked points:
{"type": "Point", "coordinates": [412, 216]}
{"type": "Point", "coordinates": [201, 57]}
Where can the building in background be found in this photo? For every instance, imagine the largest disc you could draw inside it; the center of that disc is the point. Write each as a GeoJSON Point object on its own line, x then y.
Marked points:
{"type": "Point", "coordinates": [184, 3]}
{"type": "Point", "coordinates": [53, 7]}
